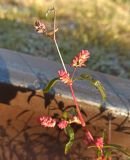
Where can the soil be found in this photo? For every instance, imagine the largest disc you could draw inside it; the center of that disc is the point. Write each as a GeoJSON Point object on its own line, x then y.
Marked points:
{"type": "Point", "coordinates": [22, 137]}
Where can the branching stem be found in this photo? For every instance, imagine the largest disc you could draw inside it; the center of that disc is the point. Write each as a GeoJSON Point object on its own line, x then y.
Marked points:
{"type": "Point", "coordinates": [63, 64]}
{"type": "Point", "coordinates": [54, 38]}
{"type": "Point", "coordinates": [77, 107]}
{"type": "Point", "coordinates": [73, 73]}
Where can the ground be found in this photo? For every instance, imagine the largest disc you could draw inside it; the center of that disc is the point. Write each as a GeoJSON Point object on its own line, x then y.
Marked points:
{"type": "Point", "coordinates": [23, 138]}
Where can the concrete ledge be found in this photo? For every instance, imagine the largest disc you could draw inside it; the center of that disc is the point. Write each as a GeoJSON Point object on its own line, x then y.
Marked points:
{"type": "Point", "coordinates": [34, 72]}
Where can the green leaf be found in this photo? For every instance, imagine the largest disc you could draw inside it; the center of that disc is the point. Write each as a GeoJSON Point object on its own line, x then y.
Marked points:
{"type": "Point", "coordinates": [107, 154]}
{"type": "Point", "coordinates": [124, 150]}
{"type": "Point", "coordinates": [99, 153]}
{"type": "Point", "coordinates": [100, 87]}
{"type": "Point", "coordinates": [65, 115]}
{"type": "Point", "coordinates": [70, 133]}
{"type": "Point", "coordinates": [95, 83]}
{"type": "Point", "coordinates": [50, 85]}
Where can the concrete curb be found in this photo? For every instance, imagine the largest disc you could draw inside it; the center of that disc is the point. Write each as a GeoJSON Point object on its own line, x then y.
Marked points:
{"type": "Point", "coordinates": [34, 72]}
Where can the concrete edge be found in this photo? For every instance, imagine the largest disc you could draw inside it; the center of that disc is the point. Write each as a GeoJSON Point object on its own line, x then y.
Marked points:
{"type": "Point", "coordinates": [34, 72]}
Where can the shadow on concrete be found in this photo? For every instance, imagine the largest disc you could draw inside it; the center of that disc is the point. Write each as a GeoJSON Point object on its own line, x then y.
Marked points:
{"type": "Point", "coordinates": [23, 138]}
{"type": "Point", "coordinates": [5, 78]}
{"type": "Point", "coordinates": [123, 102]}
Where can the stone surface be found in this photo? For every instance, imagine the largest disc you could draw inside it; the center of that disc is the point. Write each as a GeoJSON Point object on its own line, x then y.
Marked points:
{"type": "Point", "coordinates": [34, 72]}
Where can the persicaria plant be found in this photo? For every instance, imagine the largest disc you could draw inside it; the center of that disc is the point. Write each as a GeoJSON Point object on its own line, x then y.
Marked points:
{"type": "Point", "coordinates": [68, 117]}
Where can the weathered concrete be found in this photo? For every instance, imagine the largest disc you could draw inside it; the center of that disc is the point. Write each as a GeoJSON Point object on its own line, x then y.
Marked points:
{"type": "Point", "coordinates": [34, 72]}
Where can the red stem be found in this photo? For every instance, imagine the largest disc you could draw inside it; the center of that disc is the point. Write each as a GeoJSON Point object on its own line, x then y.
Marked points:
{"type": "Point", "coordinates": [88, 134]}
{"type": "Point", "coordinates": [73, 73]}
{"type": "Point", "coordinates": [77, 107]}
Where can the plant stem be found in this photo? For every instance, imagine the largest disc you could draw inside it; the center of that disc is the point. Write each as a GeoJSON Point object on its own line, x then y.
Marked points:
{"type": "Point", "coordinates": [63, 64]}
{"type": "Point", "coordinates": [73, 73]}
{"type": "Point", "coordinates": [72, 92]}
{"type": "Point", "coordinates": [77, 107]}
{"type": "Point", "coordinates": [109, 132]}
{"type": "Point", "coordinates": [54, 38]}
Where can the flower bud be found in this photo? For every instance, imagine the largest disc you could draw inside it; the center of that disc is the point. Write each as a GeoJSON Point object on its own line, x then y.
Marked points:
{"type": "Point", "coordinates": [80, 59]}
{"type": "Point", "coordinates": [40, 27]}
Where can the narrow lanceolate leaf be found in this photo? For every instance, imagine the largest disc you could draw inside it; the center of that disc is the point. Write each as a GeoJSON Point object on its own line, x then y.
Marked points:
{"type": "Point", "coordinates": [119, 148]}
{"type": "Point", "coordinates": [70, 133]}
{"type": "Point", "coordinates": [100, 87]}
{"type": "Point", "coordinates": [95, 83]}
{"type": "Point", "coordinates": [50, 85]}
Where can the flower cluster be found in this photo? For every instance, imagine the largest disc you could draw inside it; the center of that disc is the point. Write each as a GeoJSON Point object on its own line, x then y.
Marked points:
{"type": "Point", "coordinates": [47, 121]}
{"type": "Point", "coordinates": [40, 27]}
{"type": "Point", "coordinates": [62, 124]}
{"type": "Point", "coordinates": [65, 77]}
{"type": "Point", "coordinates": [99, 143]}
{"type": "Point", "coordinates": [80, 59]}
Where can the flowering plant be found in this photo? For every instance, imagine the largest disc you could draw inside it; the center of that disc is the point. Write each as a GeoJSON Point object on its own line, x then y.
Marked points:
{"type": "Point", "coordinates": [68, 118]}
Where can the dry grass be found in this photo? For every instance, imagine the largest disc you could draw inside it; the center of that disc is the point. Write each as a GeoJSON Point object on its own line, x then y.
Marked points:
{"type": "Point", "coordinates": [101, 26]}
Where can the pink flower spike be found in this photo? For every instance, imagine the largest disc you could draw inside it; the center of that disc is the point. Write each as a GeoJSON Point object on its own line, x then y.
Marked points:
{"type": "Point", "coordinates": [80, 59]}
{"type": "Point", "coordinates": [64, 77]}
{"type": "Point", "coordinates": [99, 143]}
{"type": "Point", "coordinates": [47, 121]}
{"type": "Point", "coordinates": [62, 124]}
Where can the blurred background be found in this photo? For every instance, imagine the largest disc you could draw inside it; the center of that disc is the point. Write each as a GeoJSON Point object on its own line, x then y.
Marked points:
{"type": "Point", "coordinates": [100, 26]}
